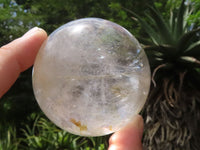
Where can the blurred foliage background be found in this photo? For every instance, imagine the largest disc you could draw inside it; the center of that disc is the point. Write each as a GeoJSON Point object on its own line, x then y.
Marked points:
{"type": "Point", "coordinates": [22, 124]}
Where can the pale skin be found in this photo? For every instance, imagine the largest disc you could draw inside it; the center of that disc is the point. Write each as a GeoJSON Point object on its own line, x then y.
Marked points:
{"type": "Point", "coordinates": [20, 54]}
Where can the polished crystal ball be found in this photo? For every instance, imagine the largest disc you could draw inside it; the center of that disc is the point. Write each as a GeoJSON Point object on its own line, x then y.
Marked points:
{"type": "Point", "coordinates": [91, 77]}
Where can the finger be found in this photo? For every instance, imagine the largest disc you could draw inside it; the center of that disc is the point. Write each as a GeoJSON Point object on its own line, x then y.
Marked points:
{"type": "Point", "coordinates": [18, 56]}
{"type": "Point", "coordinates": [128, 138]}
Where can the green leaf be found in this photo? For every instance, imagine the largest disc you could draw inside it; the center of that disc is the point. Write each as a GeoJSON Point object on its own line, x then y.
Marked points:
{"type": "Point", "coordinates": [172, 21]}
{"type": "Point", "coordinates": [149, 30]}
{"type": "Point", "coordinates": [163, 28]}
{"type": "Point", "coordinates": [193, 49]}
{"type": "Point", "coordinates": [185, 40]}
{"type": "Point", "coordinates": [164, 49]}
{"type": "Point", "coordinates": [180, 20]}
{"type": "Point", "coordinates": [144, 41]}
{"type": "Point", "coordinates": [189, 59]}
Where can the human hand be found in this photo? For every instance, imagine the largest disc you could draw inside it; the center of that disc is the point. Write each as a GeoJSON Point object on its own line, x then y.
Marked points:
{"type": "Point", "coordinates": [20, 54]}
{"type": "Point", "coordinates": [128, 138]}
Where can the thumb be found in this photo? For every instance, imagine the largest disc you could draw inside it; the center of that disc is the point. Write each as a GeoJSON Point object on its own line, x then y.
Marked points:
{"type": "Point", "coordinates": [18, 56]}
{"type": "Point", "coordinates": [129, 137]}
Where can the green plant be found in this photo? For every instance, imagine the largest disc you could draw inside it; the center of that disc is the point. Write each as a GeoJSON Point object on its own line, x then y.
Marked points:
{"type": "Point", "coordinates": [8, 138]}
{"type": "Point", "coordinates": [172, 113]}
{"type": "Point", "coordinates": [194, 19]}
{"type": "Point", "coordinates": [45, 135]}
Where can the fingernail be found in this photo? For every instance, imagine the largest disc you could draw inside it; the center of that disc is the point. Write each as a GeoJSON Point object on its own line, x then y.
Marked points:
{"type": "Point", "coordinates": [138, 120]}
{"type": "Point", "coordinates": [31, 31]}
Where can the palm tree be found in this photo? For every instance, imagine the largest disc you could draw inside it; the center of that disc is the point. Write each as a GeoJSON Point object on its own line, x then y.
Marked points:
{"type": "Point", "coordinates": [172, 111]}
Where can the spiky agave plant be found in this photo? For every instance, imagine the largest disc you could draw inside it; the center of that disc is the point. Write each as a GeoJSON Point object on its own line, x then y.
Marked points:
{"type": "Point", "coordinates": [172, 112]}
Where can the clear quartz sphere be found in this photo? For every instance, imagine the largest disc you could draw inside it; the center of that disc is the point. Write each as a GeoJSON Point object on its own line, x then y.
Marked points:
{"type": "Point", "coordinates": [91, 77]}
